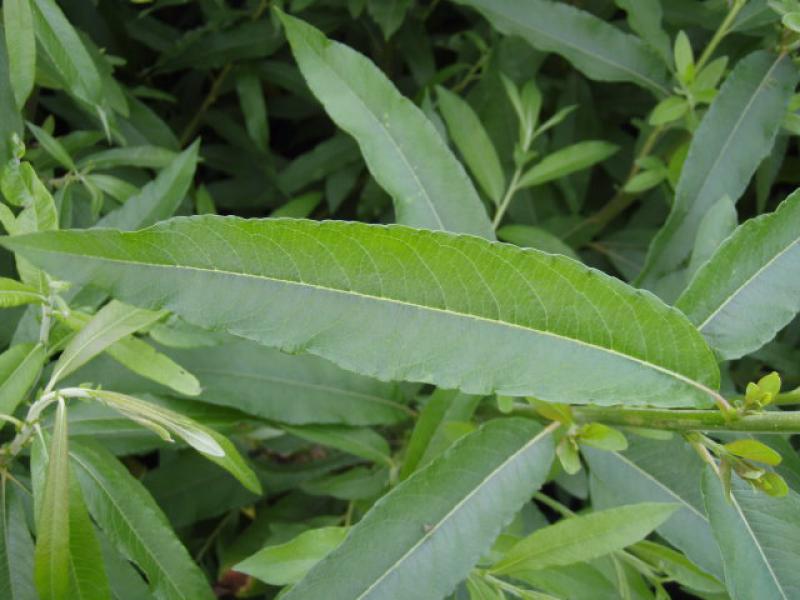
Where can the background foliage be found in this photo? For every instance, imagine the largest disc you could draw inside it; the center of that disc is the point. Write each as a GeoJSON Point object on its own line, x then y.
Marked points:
{"type": "Point", "coordinates": [308, 407]}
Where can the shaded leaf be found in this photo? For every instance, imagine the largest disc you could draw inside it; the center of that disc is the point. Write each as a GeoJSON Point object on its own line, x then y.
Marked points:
{"type": "Point", "coordinates": [451, 513]}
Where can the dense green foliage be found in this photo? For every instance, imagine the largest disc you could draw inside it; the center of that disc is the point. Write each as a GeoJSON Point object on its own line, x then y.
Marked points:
{"type": "Point", "coordinates": [399, 299]}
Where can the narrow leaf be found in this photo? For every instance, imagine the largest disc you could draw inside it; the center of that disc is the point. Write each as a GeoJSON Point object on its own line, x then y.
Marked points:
{"type": "Point", "coordinates": [65, 49]}
{"type": "Point", "coordinates": [473, 142]}
{"type": "Point", "coordinates": [365, 443]}
{"type": "Point", "coordinates": [658, 471]}
{"type": "Point", "coordinates": [16, 546]}
{"type": "Point", "coordinates": [734, 135]}
{"type": "Point", "coordinates": [584, 537]}
{"type": "Point", "coordinates": [424, 536]}
{"type": "Point", "coordinates": [333, 289]}
{"type": "Point", "coordinates": [400, 146]}
{"type": "Point", "coordinates": [750, 288]}
{"type": "Point", "coordinates": [21, 47]}
{"type": "Point", "coordinates": [20, 366]}
{"type": "Point", "coordinates": [593, 46]}
{"type": "Point", "coordinates": [14, 293]}
{"type": "Point", "coordinates": [52, 553]}
{"type": "Point", "coordinates": [136, 526]}
{"type": "Point", "coordinates": [759, 537]}
{"type": "Point", "coordinates": [111, 323]}
{"type": "Point", "coordinates": [10, 121]}
{"type": "Point", "coordinates": [567, 160]}
{"type": "Point", "coordinates": [159, 199]}
{"type": "Point", "coordinates": [286, 564]}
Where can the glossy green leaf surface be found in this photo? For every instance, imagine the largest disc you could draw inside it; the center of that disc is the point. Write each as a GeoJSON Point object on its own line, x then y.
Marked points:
{"type": "Point", "coordinates": [759, 538]}
{"type": "Point", "coordinates": [735, 134]}
{"type": "Point", "coordinates": [749, 288]}
{"type": "Point", "coordinates": [598, 49]}
{"type": "Point", "coordinates": [451, 513]}
{"type": "Point", "coordinates": [452, 288]}
{"type": "Point", "coordinates": [400, 146]}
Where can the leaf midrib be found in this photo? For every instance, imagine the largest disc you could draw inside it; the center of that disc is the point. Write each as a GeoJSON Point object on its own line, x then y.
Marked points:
{"type": "Point", "coordinates": [680, 377]}
{"type": "Point", "coordinates": [429, 531]}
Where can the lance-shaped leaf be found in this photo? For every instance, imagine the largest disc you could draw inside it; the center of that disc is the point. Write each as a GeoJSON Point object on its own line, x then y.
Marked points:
{"type": "Point", "coordinates": [21, 46]}
{"type": "Point", "coordinates": [67, 556]}
{"type": "Point", "coordinates": [14, 293]}
{"type": "Point", "coordinates": [759, 537]}
{"type": "Point", "coordinates": [16, 546]}
{"type": "Point", "coordinates": [20, 366]}
{"type": "Point", "coordinates": [401, 147]}
{"type": "Point", "coordinates": [124, 510]}
{"type": "Point", "coordinates": [598, 49]}
{"type": "Point", "coordinates": [750, 288]}
{"type": "Point", "coordinates": [164, 422]}
{"type": "Point", "coordinates": [111, 323]}
{"type": "Point", "coordinates": [159, 199]}
{"type": "Point", "coordinates": [658, 471]}
{"type": "Point", "coordinates": [423, 537]}
{"type": "Point", "coordinates": [734, 135]}
{"type": "Point", "coordinates": [584, 537]}
{"type": "Point", "coordinates": [402, 304]}
{"type": "Point", "coordinates": [10, 121]}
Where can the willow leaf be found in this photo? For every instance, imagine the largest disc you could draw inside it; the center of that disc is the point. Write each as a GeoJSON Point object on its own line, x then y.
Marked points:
{"type": "Point", "coordinates": [759, 537]}
{"type": "Point", "coordinates": [423, 537]}
{"type": "Point", "coordinates": [16, 545]}
{"type": "Point", "coordinates": [593, 46]}
{"type": "Point", "coordinates": [750, 288]}
{"type": "Point", "coordinates": [659, 471]}
{"type": "Point", "coordinates": [124, 510]}
{"type": "Point", "coordinates": [20, 366]}
{"type": "Point", "coordinates": [475, 315]}
{"type": "Point", "coordinates": [402, 149]}
{"type": "Point", "coordinates": [734, 135]}
{"type": "Point", "coordinates": [584, 537]}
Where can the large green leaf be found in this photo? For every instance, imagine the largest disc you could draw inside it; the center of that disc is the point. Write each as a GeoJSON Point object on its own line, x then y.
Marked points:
{"type": "Point", "coordinates": [759, 537]}
{"type": "Point", "coordinates": [423, 537]}
{"type": "Point", "coordinates": [403, 304]}
{"type": "Point", "coordinates": [595, 47]}
{"type": "Point", "coordinates": [658, 471]}
{"type": "Point", "coordinates": [584, 537]}
{"type": "Point", "coordinates": [16, 546]}
{"type": "Point", "coordinates": [734, 135]}
{"type": "Point", "coordinates": [401, 147]}
{"type": "Point", "coordinates": [750, 288]}
{"type": "Point", "coordinates": [136, 526]}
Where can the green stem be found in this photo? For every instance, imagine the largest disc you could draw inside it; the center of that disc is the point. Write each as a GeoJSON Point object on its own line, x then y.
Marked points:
{"type": "Point", "coordinates": [509, 195]}
{"type": "Point", "coordinates": [688, 420]}
{"type": "Point", "coordinates": [622, 199]}
{"type": "Point", "coordinates": [792, 397]}
{"type": "Point", "coordinates": [719, 34]}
